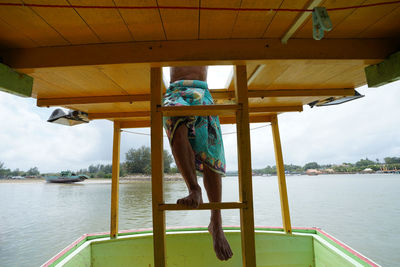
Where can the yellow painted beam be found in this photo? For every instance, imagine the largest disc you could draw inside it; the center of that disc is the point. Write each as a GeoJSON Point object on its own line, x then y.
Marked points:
{"type": "Point", "coordinates": [115, 181]}
{"type": "Point", "coordinates": [176, 111]}
{"type": "Point", "coordinates": [217, 95]}
{"type": "Point", "coordinates": [112, 115]}
{"type": "Point", "coordinates": [280, 168]}
{"type": "Point", "coordinates": [198, 52]}
{"type": "Point", "coordinates": [223, 120]}
{"type": "Point", "coordinates": [205, 206]}
{"type": "Point", "coordinates": [59, 101]}
{"type": "Point", "coordinates": [298, 108]}
{"type": "Point", "coordinates": [301, 92]}
{"type": "Point", "coordinates": [157, 169]}
{"type": "Point", "coordinates": [135, 124]}
{"type": "Point", "coordinates": [193, 110]}
{"type": "Point", "coordinates": [244, 167]}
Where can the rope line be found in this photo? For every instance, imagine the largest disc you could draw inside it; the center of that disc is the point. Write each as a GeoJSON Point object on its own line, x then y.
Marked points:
{"type": "Point", "coordinates": [198, 8]}
{"type": "Point", "coordinates": [255, 128]}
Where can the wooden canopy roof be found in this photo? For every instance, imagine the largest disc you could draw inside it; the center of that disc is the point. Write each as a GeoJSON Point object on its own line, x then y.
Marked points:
{"type": "Point", "coordinates": [95, 55]}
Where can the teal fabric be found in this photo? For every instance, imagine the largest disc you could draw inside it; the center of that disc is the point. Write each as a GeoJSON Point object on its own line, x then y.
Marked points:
{"type": "Point", "coordinates": [204, 132]}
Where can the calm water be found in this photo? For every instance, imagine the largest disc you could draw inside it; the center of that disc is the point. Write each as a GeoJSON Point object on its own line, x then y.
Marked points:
{"type": "Point", "coordinates": [40, 219]}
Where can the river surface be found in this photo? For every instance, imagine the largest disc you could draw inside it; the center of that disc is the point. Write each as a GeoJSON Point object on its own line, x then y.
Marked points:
{"type": "Point", "coordinates": [37, 220]}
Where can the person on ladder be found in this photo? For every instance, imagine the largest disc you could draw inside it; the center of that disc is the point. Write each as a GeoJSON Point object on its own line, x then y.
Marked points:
{"type": "Point", "coordinates": [196, 144]}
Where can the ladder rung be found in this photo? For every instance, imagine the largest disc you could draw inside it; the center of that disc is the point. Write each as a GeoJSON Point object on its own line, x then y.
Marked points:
{"type": "Point", "coordinates": [200, 110]}
{"type": "Point", "coordinates": [205, 206]}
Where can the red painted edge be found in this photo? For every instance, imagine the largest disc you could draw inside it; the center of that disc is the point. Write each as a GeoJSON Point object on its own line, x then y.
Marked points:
{"type": "Point", "coordinates": [350, 250]}
{"type": "Point", "coordinates": [65, 250]}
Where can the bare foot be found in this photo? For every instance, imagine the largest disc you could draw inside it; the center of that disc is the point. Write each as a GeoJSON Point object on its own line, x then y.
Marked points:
{"type": "Point", "coordinates": [193, 200]}
{"type": "Point", "coordinates": [221, 246]}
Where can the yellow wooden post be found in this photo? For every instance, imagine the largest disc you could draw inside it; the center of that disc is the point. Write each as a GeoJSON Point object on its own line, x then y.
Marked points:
{"type": "Point", "coordinates": [280, 168]}
{"type": "Point", "coordinates": [115, 181]}
{"type": "Point", "coordinates": [244, 166]}
{"type": "Point", "coordinates": [157, 168]}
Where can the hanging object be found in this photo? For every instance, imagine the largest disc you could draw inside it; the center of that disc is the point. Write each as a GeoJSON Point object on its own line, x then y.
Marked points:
{"type": "Point", "coordinates": [335, 100]}
{"type": "Point", "coordinates": [73, 117]}
{"type": "Point", "coordinates": [321, 22]}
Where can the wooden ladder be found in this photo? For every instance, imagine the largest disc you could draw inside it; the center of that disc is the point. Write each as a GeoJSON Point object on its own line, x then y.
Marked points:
{"type": "Point", "coordinates": [245, 184]}
{"type": "Point", "coordinates": [245, 204]}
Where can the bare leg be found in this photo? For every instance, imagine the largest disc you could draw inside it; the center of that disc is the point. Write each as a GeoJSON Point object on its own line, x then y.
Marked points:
{"type": "Point", "coordinates": [184, 158]}
{"type": "Point", "coordinates": [213, 185]}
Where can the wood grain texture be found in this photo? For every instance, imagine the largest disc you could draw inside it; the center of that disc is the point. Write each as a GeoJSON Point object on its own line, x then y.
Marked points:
{"type": "Point", "coordinates": [361, 19]}
{"type": "Point", "coordinates": [281, 176]}
{"type": "Point", "coordinates": [217, 24]}
{"type": "Point", "coordinates": [157, 169]}
{"type": "Point", "coordinates": [244, 167]}
{"type": "Point", "coordinates": [180, 24]}
{"type": "Point", "coordinates": [144, 24]}
{"type": "Point", "coordinates": [28, 23]}
{"type": "Point", "coordinates": [66, 21]}
{"type": "Point", "coordinates": [200, 52]}
{"type": "Point", "coordinates": [115, 181]}
{"type": "Point", "coordinates": [283, 20]}
{"type": "Point", "coordinates": [108, 24]}
{"type": "Point", "coordinates": [254, 24]}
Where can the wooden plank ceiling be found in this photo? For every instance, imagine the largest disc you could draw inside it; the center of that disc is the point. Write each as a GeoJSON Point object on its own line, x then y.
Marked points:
{"type": "Point", "coordinates": [30, 27]}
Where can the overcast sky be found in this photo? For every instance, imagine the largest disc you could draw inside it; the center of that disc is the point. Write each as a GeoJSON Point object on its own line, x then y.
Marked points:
{"type": "Point", "coordinates": [367, 127]}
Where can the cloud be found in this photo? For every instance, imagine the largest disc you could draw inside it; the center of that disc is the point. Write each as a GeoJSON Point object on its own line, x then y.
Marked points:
{"type": "Point", "coordinates": [27, 140]}
{"type": "Point", "coordinates": [367, 127]}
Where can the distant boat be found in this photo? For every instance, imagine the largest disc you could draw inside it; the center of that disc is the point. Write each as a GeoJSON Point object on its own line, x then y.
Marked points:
{"type": "Point", "coordinates": [66, 177]}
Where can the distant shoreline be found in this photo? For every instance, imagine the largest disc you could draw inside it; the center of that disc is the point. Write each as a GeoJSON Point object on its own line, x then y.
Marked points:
{"type": "Point", "coordinates": [126, 179]}
{"type": "Point", "coordinates": [167, 178]}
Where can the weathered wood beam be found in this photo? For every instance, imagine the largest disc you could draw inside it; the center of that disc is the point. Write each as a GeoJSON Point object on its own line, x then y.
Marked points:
{"type": "Point", "coordinates": [385, 72]}
{"type": "Point", "coordinates": [205, 206]}
{"type": "Point", "coordinates": [199, 52]}
{"type": "Point", "coordinates": [14, 82]}
{"type": "Point", "coordinates": [217, 95]}
{"type": "Point", "coordinates": [136, 114]}
{"type": "Point", "coordinates": [210, 110]}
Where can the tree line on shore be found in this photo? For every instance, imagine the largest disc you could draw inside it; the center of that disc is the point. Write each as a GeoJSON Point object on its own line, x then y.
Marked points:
{"type": "Point", "coordinates": [390, 163]}
{"type": "Point", "coordinates": [138, 161]}
{"type": "Point", "coordinates": [4, 172]}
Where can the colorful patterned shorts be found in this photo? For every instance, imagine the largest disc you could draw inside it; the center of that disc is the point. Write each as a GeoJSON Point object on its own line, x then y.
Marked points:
{"type": "Point", "coordinates": [204, 132]}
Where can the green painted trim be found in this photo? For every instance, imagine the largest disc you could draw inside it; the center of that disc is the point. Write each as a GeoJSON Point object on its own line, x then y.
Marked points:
{"type": "Point", "coordinates": [385, 72]}
{"type": "Point", "coordinates": [278, 231]}
{"type": "Point", "coordinates": [69, 252]}
{"type": "Point", "coordinates": [14, 82]}
{"type": "Point", "coordinates": [336, 245]}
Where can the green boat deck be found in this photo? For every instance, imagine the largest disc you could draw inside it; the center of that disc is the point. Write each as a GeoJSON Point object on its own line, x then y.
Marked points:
{"type": "Point", "coordinates": [193, 247]}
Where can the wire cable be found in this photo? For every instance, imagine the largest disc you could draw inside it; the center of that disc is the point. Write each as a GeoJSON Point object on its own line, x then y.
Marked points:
{"type": "Point", "coordinates": [146, 134]}
{"type": "Point", "coordinates": [197, 8]}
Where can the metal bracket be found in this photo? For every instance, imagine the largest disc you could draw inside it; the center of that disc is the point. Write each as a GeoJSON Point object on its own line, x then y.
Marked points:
{"type": "Point", "coordinates": [321, 22]}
